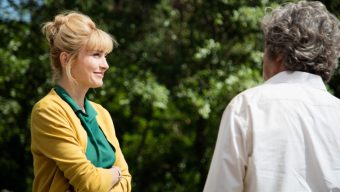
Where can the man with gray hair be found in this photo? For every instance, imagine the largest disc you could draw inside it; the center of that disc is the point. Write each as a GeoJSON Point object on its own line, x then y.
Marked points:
{"type": "Point", "coordinates": [284, 135]}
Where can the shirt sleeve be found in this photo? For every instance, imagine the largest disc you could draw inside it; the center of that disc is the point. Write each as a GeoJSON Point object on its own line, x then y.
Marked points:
{"type": "Point", "coordinates": [54, 138]}
{"type": "Point", "coordinates": [229, 162]}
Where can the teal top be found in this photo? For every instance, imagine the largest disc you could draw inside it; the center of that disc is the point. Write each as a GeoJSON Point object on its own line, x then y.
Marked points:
{"type": "Point", "coordinates": [99, 151]}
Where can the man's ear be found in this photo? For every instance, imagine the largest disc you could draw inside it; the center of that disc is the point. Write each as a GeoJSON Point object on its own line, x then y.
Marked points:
{"type": "Point", "coordinates": [64, 57]}
{"type": "Point", "coordinates": [279, 58]}
{"type": "Point", "coordinates": [279, 62]}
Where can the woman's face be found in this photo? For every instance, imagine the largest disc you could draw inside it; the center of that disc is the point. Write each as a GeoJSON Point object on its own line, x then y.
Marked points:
{"type": "Point", "coordinates": [89, 68]}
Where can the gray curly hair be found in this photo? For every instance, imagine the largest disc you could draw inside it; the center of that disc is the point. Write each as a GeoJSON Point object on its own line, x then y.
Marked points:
{"type": "Point", "coordinates": [306, 34]}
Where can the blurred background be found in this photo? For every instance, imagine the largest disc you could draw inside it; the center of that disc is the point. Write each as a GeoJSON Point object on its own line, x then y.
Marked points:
{"type": "Point", "coordinates": [178, 64]}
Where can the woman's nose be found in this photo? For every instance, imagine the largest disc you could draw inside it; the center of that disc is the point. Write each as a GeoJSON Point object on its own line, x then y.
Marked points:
{"type": "Point", "coordinates": [104, 65]}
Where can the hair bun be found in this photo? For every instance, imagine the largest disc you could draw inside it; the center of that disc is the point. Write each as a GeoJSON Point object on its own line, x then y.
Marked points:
{"type": "Point", "coordinates": [50, 29]}
{"type": "Point", "coordinates": [60, 20]}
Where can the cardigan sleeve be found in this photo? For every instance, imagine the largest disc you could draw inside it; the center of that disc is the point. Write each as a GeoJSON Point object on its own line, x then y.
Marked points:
{"type": "Point", "coordinates": [124, 184]}
{"type": "Point", "coordinates": [53, 137]}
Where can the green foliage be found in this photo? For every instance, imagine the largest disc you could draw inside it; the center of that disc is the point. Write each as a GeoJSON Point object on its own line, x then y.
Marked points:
{"type": "Point", "coordinates": [178, 64]}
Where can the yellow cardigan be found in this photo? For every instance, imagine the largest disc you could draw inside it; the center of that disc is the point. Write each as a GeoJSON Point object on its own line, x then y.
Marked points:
{"type": "Point", "coordinates": [59, 144]}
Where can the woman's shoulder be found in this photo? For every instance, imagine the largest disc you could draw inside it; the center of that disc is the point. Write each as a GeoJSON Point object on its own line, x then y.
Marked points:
{"type": "Point", "coordinates": [49, 101]}
{"type": "Point", "coordinates": [98, 107]}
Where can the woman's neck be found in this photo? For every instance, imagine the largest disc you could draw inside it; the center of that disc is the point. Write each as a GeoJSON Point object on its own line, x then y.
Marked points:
{"type": "Point", "coordinates": [76, 92]}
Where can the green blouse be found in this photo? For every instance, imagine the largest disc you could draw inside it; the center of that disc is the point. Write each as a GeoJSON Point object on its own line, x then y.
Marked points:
{"type": "Point", "coordinates": [99, 151]}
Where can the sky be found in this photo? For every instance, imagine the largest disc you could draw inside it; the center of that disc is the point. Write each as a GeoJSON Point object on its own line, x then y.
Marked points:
{"type": "Point", "coordinates": [10, 13]}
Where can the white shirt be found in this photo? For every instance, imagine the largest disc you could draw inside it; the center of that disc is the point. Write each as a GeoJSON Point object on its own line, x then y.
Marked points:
{"type": "Point", "coordinates": [283, 135]}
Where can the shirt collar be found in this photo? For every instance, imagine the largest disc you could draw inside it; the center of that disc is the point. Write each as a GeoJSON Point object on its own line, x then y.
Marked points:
{"type": "Point", "coordinates": [298, 77]}
{"type": "Point", "coordinates": [90, 112]}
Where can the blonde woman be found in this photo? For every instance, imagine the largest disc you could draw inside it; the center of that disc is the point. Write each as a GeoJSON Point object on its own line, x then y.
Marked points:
{"type": "Point", "coordinates": [74, 145]}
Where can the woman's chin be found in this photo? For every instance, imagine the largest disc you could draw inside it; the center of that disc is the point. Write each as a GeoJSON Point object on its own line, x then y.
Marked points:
{"type": "Point", "coordinates": [97, 85]}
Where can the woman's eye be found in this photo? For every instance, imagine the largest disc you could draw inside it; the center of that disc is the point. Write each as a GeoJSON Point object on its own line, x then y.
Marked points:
{"type": "Point", "coordinates": [96, 54]}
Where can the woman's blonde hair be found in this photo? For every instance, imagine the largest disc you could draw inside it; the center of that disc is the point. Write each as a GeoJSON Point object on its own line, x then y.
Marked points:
{"type": "Point", "coordinates": [69, 32]}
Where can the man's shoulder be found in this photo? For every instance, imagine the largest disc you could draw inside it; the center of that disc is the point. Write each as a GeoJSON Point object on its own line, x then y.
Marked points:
{"type": "Point", "coordinates": [256, 95]}
{"type": "Point", "coordinates": [252, 93]}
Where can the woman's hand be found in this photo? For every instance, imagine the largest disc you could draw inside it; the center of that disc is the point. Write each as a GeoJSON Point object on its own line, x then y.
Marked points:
{"type": "Point", "coordinates": [116, 174]}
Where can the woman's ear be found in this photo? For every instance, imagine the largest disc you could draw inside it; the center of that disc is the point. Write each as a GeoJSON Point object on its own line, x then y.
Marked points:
{"type": "Point", "coordinates": [64, 57]}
